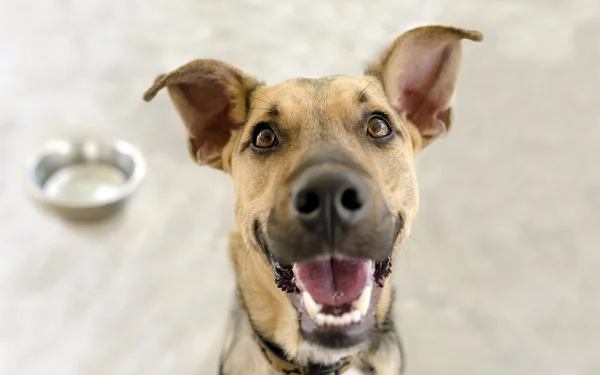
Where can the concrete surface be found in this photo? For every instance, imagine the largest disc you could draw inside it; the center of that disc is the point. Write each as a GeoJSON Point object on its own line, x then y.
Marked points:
{"type": "Point", "coordinates": [500, 277]}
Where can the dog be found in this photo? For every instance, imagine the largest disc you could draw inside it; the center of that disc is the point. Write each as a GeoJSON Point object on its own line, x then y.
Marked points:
{"type": "Point", "coordinates": [325, 195]}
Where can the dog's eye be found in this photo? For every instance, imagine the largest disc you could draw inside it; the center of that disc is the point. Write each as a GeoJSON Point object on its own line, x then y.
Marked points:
{"type": "Point", "coordinates": [378, 127]}
{"type": "Point", "coordinates": [264, 137]}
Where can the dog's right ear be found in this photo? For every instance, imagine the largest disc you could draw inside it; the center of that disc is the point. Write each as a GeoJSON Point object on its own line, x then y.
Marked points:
{"type": "Point", "coordinates": [211, 98]}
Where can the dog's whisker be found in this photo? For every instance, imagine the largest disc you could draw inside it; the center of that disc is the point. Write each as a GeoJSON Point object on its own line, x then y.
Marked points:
{"type": "Point", "coordinates": [257, 107]}
{"type": "Point", "coordinates": [271, 102]}
{"type": "Point", "coordinates": [262, 100]}
{"type": "Point", "coordinates": [364, 90]}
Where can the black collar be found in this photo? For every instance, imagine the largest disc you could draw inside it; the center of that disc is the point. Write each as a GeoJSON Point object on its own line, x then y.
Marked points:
{"type": "Point", "coordinates": [279, 361]}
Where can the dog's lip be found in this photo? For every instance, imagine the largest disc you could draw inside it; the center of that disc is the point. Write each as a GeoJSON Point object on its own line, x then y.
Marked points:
{"type": "Point", "coordinates": [259, 237]}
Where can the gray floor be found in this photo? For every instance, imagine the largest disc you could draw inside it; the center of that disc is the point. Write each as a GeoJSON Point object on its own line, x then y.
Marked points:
{"type": "Point", "coordinates": [500, 277]}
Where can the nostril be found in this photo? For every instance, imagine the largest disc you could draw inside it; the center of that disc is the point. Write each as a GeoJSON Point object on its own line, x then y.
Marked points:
{"type": "Point", "coordinates": [307, 202]}
{"type": "Point", "coordinates": [351, 200]}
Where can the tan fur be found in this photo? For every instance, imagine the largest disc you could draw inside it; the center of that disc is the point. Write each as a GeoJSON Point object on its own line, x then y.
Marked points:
{"type": "Point", "coordinates": [413, 80]}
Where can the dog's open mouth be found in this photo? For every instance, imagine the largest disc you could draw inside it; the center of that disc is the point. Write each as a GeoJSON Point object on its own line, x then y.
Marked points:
{"type": "Point", "coordinates": [334, 293]}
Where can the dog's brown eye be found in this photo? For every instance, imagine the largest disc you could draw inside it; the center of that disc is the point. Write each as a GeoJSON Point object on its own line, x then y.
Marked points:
{"type": "Point", "coordinates": [264, 137]}
{"type": "Point", "coordinates": [377, 127]}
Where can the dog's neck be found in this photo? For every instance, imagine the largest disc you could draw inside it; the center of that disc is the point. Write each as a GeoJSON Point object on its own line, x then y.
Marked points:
{"type": "Point", "coordinates": [279, 361]}
{"type": "Point", "coordinates": [246, 352]}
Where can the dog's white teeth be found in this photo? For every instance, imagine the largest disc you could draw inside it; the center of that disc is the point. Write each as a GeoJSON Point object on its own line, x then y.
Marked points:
{"type": "Point", "coordinates": [332, 320]}
{"type": "Point", "coordinates": [320, 319]}
{"type": "Point", "coordinates": [311, 307]}
{"type": "Point", "coordinates": [362, 303]}
{"type": "Point", "coordinates": [355, 316]}
{"type": "Point", "coordinates": [360, 308]}
{"type": "Point", "coordinates": [346, 319]}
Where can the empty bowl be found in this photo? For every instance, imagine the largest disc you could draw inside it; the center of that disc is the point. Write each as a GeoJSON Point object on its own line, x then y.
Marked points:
{"type": "Point", "coordinates": [85, 178]}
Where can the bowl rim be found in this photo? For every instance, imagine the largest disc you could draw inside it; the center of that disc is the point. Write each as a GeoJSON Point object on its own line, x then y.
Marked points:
{"type": "Point", "coordinates": [132, 182]}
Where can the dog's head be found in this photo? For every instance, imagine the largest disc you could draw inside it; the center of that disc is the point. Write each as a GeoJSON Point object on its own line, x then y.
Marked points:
{"type": "Point", "coordinates": [325, 187]}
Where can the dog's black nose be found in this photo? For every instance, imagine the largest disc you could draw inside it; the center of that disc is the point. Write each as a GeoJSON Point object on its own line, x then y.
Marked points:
{"type": "Point", "coordinates": [326, 199]}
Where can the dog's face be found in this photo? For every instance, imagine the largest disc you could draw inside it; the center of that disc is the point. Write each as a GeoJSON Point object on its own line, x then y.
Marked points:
{"type": "Point", "coordinates": [325, 188]}
{"type": "Point", "coordinates": [325, 184]}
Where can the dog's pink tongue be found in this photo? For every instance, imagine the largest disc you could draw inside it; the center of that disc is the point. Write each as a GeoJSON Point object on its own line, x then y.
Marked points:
{"type": "Point", "coordinates": [334, 282]}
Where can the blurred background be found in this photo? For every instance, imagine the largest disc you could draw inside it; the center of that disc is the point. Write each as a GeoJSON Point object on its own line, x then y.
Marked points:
{"type": "Point", "coordinates": [499, 277]}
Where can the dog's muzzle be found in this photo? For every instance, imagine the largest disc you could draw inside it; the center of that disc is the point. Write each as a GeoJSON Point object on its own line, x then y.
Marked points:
{"type": "Point", "coordinates": [330, 237]}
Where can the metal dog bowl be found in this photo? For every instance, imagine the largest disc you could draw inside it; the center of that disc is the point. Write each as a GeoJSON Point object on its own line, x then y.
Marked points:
{"type": "Point", "coordinates": [85, 178]}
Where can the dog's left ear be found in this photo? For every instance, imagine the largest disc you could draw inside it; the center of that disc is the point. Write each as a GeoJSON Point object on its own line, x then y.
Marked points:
{"type": "Point", "coordinates": [419, 71]}
{"type": "Point", "coordinates": [211, 98]}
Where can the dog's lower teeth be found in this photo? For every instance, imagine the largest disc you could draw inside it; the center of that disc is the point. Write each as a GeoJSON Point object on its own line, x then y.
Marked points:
{"type": "Point", "coordinates": [346, 319]}
{"type": "Point", "coordinates": [320, 319]}
{"type": "Point", "coordinates": [339, 321]}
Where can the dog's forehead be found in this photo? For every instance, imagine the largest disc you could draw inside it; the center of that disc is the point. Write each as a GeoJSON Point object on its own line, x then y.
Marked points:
{"type": "Point", "coordinates": [336, 95]}
{"type": "Point", "coordinates": [321, 85]}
